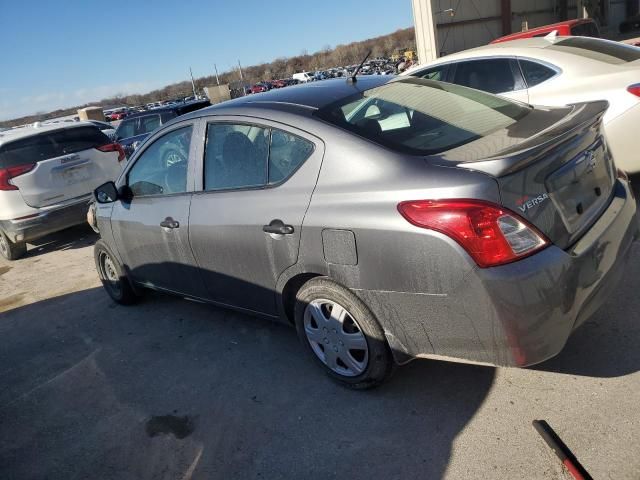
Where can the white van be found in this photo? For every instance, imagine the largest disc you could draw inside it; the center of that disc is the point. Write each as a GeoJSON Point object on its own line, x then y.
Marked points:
{"type": "Point", "coordinates": [303, 77]}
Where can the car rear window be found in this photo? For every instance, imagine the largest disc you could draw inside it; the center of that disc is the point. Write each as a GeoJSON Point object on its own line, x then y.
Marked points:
{"type": "Point", "coordinates": [606, 51]}
{"type": "Point", "coordinates": [422, 117]}
{"type": "Point", "coordinates": [50, 144]}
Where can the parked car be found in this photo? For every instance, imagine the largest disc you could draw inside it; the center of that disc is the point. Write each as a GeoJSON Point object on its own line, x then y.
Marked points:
{"type": "Point", "coordinates": [582, 27]}
{"type": "Point", "coordinates": [259, 88]}
{"type": "Point", "coordinates": [278, 83]}
{"type": "Point", "coordinates": [556, 72]}
{"type": "Point", "coordinates": [304, 77]}
{"type": "Point", "coordinates": [47, 177]}
{"type": "Point", "coordinates": [386, 221]}
{"type": "Point", "coordinates": [133, 130]}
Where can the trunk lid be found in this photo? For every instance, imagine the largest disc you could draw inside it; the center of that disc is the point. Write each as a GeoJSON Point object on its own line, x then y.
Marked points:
{"type": "Point", "coordinates": [67, 162]}
{"type": "Point", "coordinates": [553, 168]}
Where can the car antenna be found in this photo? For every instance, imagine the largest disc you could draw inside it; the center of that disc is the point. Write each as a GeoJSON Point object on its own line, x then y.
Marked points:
{"type": "Point", "coordinates": [352, 78]}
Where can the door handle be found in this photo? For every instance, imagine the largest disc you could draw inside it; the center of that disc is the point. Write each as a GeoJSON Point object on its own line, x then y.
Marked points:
{"type": "Point", "coordinates": [278, 227]}
{"type": "Point", "coordinates": [170, 223]}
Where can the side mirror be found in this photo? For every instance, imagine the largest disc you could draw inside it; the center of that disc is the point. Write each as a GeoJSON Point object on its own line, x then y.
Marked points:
{"type": "Point", "coordinates": [106, 193]}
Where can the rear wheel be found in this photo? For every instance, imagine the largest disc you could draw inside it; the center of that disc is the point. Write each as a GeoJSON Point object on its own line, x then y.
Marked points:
{"type": "Point", "coordinates": [112, 275]}
{"type": "Point", "coordinates": [10, 250]}
{"type": "Point", "coordinates": [341, 334]}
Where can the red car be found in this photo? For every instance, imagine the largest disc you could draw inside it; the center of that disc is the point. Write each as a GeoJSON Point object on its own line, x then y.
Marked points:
{"type": "Point", "coordinates": [583, 27]}
{"type": "Point", "coordinates": [258, 88]}
{"type": "Point", "coordinates": [278, 83]}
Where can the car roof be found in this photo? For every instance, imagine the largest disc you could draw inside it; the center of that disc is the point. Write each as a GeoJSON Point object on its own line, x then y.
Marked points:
{"type": "Point", "coordinates": [25, 131]}
{"type": "Point", "coordinates": [307, 96]}
{"type": "Point", "coordinates": [535, 48]}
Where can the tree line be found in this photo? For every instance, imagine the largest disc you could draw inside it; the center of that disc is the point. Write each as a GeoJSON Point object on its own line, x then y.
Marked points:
{"type": "Point", "coordinates": [282, 67]}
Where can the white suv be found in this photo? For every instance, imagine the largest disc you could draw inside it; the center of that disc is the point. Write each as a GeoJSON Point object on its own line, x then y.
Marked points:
{"type": "Point", "coordinates": [47, 176]}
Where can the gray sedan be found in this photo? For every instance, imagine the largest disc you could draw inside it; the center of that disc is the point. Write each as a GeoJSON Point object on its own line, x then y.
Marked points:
{"type": "Point", "coordinates": [385, 220]}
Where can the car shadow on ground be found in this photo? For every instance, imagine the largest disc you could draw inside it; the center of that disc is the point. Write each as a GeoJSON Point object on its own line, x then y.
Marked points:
{"type": "Point", "coordinates": [75, 237]}
{"type": "Point", "coordinates": [176, 389]}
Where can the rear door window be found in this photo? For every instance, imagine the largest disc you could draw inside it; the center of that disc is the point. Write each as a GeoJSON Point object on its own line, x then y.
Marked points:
{"type": "Point", "coordinates": [495, 75]}
{"type": "Point", "coordinates": [588, 29]}
{"type": "Point", "coordinates": [286, 153]}
{"type": "Point", "coordinates": [535, 73]}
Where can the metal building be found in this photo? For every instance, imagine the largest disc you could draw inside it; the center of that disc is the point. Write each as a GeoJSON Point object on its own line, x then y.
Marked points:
{"type": "Point", "coordinates": [448, 26]}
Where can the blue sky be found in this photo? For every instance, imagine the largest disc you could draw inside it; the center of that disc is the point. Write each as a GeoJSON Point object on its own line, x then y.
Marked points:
{"type": "Point", "coordinates": [66, 52]}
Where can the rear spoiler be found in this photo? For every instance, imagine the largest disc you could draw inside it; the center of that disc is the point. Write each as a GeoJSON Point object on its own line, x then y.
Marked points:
{"type": "Point", "coordinates": [582, 116]}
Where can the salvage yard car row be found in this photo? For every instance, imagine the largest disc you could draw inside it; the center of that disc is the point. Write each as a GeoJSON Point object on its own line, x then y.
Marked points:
{"type": "Point", "coordinates": [351, 207]}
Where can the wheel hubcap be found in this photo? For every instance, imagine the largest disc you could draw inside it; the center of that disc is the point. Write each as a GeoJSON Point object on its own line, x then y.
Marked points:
{"type": "Point", "coordinates": [110, 273]}
{"type": "Point", "coordinates": [336, 338]}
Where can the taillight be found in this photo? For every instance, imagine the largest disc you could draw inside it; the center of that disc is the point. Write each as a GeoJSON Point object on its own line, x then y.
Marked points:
{"type": "Point", "coordinates": [7, 174]}
{"type": "Point", "coordinates": [490, 234]}
{"type": "Point", "coordinates": [634, 89]}
{"type": "Point", "coordinates": [113, 147]}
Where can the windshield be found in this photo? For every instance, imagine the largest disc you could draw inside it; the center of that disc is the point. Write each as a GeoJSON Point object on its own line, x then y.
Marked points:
{"type": "Point", "coordinates": [422, 117]}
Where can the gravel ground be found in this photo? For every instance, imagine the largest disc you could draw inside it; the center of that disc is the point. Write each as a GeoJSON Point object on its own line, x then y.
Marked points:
{"type": "Point", "coordinates": [171, 389]}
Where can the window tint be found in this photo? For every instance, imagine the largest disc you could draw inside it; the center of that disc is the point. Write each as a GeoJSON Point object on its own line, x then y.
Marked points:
{"type": "Point", "coordinates": [235, 156]}
{"type": "Point", "coordinates": [493, 76]}
{"type": "Point", "coordinates": [597, 49]}
{"type": "Point", "coordinates": [286, 154]}
{"type": "Point", "coordinates": [73, 140]}
{"type": "Point", "coordinates": [51, 145]}
{"type": "Point", "coordinates": [127, 128]}
{"type": "Point", "coordinates": [149, 123]}
{"type": "Point", "coordinates": [27, 150]}
{"type": "Point", "coordinates": [535, 73]}
{"type": "Point", "coordinates": [162, 167]}
{"type": "Point", "coordinates": [435, 73]}
{"type": "Point", "coordinates": [428, 117]}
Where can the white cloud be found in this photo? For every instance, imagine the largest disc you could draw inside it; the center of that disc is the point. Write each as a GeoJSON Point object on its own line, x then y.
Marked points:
{"type": "Point", "coordinates": [47, 101]}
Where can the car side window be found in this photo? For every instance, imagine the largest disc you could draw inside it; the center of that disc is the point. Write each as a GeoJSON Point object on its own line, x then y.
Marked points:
{"type": "Point", "coordinates": [535, 73]}
{"type": "Point", "coordinates": [435, 73]}
{"type": "Point", "coordinates": [235, 156]}
{"type": "Point", "coordinates": [286, 153]}
{"type": "Point", "coordinates": [127, 128]}
{"type": "Point", "coordinates": [162, 168]}
{"type": "Point", "coordinates": [149, 123]}
{"type": "Point", "coordinates": [496, 75]}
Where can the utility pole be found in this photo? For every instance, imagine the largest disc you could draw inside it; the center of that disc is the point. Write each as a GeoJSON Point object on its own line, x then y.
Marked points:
{"type": "Point", "coordinates": [240, 68]}
{"type": "Point", "coordinates": [216, 69]}
{"type": "Point", "coordinates": [193, 84]}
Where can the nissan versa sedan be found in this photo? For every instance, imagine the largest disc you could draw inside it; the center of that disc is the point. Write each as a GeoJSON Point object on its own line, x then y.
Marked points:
{"type": "Point", "coordinates": [386, 221]}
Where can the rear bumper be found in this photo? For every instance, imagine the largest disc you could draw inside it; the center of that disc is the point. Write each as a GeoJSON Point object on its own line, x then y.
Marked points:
{"type": "Point", "coordinates": [47, 220]}
{"type": "Point", "coordinates": [518, 314]}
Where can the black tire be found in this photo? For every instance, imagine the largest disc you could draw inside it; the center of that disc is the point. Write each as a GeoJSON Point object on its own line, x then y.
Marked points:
{"type": "Point", "coordinates": [112, 275]}
{"type": "Point", "coordinates": [10, 250]}
{"type": "Point", "coordinates": [380, 363]}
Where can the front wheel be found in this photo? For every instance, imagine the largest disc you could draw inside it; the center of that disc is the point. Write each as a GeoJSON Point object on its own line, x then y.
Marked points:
{"type": "Point", "coordinates": [112, 275]}
{"type": "Point", "coordinates": [341, 334]}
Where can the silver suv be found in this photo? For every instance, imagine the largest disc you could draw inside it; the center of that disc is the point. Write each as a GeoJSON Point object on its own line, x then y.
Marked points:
{"type": "Point", "coordinates": [47, 175]}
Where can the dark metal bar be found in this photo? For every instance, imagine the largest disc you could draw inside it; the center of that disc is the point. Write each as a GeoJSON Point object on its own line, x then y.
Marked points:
{"type": "Point", "coordinates": [565, 455]}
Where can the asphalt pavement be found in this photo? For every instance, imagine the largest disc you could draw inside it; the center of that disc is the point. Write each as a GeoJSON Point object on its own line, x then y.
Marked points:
{"type": "Point", "coordinates": [172, 389]}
